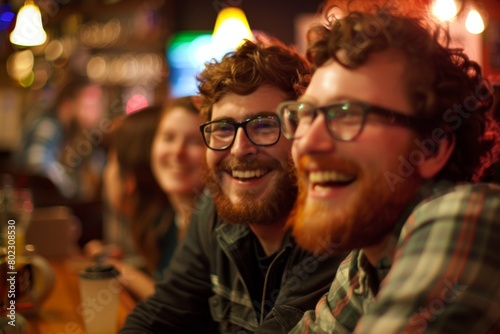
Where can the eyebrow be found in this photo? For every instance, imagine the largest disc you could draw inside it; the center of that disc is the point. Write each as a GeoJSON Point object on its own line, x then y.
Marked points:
{"type": "Point", "coordinates": [247, 116]}
{"type": "Point", "coordinates": [337, 99]}
{"type": "Point", "coordinates": [305, 101]}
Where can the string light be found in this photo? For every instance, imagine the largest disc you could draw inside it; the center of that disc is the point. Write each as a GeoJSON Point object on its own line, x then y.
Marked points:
{"type": "Point", "coordinates": [29, 29]}
{"type": "Point", "coordinates": [444, 10]}
{"type": "Point", "coordinates": [474, 22]}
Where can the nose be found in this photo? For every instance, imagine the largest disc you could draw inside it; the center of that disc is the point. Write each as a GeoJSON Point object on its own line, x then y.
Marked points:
{"type": "Point", "coordinates": [178, 148]}
{"type": "Point", "coordinates": [242, 146]}
{"type": "Point", "coordinates": [316, 139]}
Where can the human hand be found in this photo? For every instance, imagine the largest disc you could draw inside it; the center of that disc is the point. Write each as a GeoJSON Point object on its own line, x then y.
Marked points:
{"type": "Point", "coordinates": [95, 249]}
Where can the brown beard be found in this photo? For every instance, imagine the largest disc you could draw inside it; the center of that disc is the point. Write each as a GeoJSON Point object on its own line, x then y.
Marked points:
{"type": "Point", "coordinates": [369, 215]}
{"type": "Point", "coordinates": [268, 210]}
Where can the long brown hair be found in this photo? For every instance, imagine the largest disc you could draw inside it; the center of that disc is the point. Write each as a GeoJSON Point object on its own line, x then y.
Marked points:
{"type": "Point", "coordinates": [132, 140]}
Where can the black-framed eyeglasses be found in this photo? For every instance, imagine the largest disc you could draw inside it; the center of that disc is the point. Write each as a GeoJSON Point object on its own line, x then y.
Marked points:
{"type": "Point", "coordinates": [344, 119]}
{"type": "Point", "coordinates": [260, 130]}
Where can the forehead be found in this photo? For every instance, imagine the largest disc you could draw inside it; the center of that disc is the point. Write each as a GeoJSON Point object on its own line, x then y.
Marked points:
{"type": "Point", "coordinates": [240, 107]}
{"type": "Point", "coordinates": [380, 81]}
{"type": "Point", "coordinates": [176, 115]}
{"type": "Point", "coordinates": [181, 120]}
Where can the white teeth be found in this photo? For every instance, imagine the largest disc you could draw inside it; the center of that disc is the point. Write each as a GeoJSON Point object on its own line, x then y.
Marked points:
{"type": "Point", "coordinates": [331, 176]}
{"type": "Point", "coordinates": [247, 174]}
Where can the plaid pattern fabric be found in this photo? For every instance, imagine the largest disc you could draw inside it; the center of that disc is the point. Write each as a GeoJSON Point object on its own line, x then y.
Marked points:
{"type": "Point", "coordinates": [440, 273]}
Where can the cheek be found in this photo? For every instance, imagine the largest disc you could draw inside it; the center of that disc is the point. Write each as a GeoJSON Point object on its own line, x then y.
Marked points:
{"type": "Point", "coordinates": [197, 155]}
{"type": "Point", "coordinates": [199, 152]}
{"type": "Point", "coordinates": [282, 151]}
{"type": "Point", "coordinates": [157, 152]}
{"type": "Point", "coordinates": [386, 154]}
{"type": "Point", "coordinates": [213, 158]}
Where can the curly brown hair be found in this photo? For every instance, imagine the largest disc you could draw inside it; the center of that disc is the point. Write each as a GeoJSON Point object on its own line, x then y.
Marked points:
{"type": "Point", "coordinates": [254, 64]}
{"type": "Point", "coordinates": [446, 89]}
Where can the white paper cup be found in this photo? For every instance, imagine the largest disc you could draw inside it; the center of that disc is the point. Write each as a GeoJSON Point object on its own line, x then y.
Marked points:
{"type": "Point", "coordinates": [99, 291]}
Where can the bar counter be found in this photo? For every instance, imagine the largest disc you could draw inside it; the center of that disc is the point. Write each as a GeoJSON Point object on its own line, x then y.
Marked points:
{"type": "Point", "coordinates": [61, 312]}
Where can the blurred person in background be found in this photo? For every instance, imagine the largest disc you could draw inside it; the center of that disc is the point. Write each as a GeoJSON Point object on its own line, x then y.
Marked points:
{"type": "Point", "coordinates": [152, 181]}
{"type": "Point", "coordinates": [177, 157]}
{"type": "Point", "coordinates": [63, 144]}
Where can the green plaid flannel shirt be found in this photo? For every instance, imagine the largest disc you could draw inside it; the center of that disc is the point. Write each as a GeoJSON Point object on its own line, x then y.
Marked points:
{"type": "Point", "coordinates": [441, 272]}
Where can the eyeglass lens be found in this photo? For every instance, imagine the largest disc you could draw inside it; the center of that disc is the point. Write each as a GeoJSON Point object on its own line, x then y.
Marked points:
{"type": "Point", "coordinates": [260, 130]}
{"type": "Point", "coordinates": [344, 121]}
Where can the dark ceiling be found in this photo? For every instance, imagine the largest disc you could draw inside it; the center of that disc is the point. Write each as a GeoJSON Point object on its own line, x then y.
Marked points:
{"type": "Point", "coordinates": [275, 17]}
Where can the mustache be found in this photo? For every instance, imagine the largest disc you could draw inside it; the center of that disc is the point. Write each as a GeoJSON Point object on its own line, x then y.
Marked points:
{"type": "Point", "coordinates": [238, 164]}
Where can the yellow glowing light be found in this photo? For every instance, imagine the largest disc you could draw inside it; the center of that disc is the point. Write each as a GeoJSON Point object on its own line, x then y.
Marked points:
{"type": "Point", "coordinates": [29, 29]}
{"type": "Point", "coordinates": [54, 50]}
{"type": "Point", "coordinates": [231, 28]}
{"type": "Point", "coordinates": [474, 22]}
{"type": "Point", "coordinates": [28, 80]}
{"type": "Point", "coordinates": [444, 10]}
{"type": "Point", "coordinates": [97, 68]}
{"type": "Point", "coordinates": [20, 64]}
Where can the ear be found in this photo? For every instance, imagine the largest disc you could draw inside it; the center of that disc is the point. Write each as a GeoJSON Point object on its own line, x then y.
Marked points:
{"type": "Point", "coordinates": [435, 162]}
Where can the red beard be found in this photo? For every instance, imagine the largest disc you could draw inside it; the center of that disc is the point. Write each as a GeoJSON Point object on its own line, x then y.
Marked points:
{"type": "Point", "coordinates": [369, 215]}
{"type": "Point", "coordinates": [273, 208]}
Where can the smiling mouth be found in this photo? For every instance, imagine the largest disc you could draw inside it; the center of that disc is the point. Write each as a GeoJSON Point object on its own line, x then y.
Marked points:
{"type": "Point", "coordinates": [248, 175]}
{"type": "Point", "coordinates": [330, 179]}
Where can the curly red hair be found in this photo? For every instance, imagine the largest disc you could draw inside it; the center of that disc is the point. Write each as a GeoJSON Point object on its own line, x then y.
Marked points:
{"type": "Point", "coordinates": [254, 64]}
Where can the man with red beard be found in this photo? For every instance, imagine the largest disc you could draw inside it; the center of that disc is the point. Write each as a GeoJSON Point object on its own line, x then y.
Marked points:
{"type": "Point", "coordinates": [238, 269]}
{"type": "Point", "coordinates": [390, 139]}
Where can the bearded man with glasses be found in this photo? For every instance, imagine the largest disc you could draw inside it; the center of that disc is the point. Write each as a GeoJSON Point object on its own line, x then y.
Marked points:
{"type": "Point", "coordinates": [391, 140]}
{"type": "Point", "coordinates": [239, 270]}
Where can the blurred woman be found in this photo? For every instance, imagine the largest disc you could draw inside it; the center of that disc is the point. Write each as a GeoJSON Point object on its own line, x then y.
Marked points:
{"type": "Point", "coordinates": [176, 160]}
{"type": "Point", "coordinates": [131, 191]}
{"type": "Point", "coordinates": [156, 186]}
